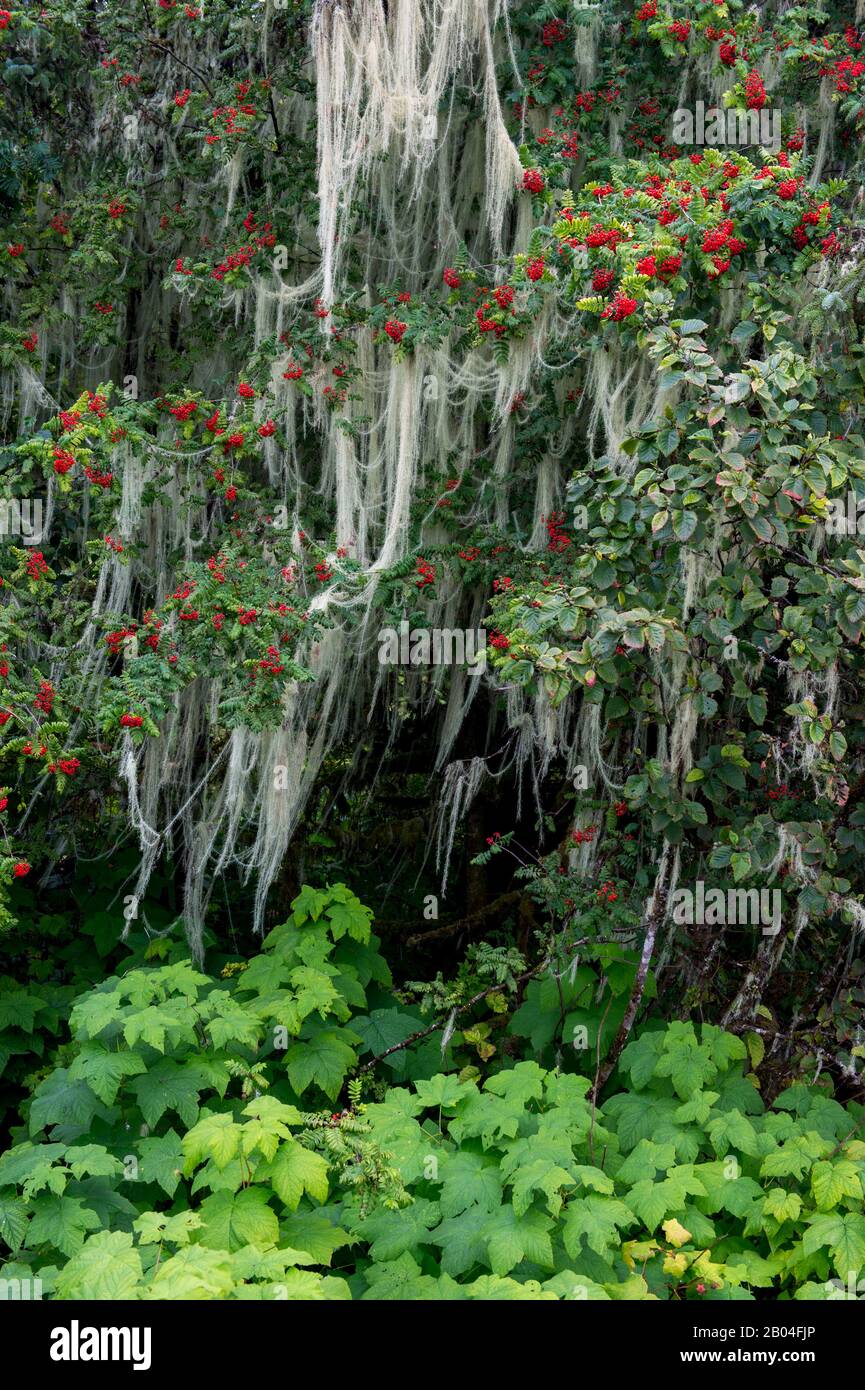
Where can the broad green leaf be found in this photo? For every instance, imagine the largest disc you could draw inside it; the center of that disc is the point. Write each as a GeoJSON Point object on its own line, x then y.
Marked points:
{"type": "Point", "coordinates": [293, 1171]}
{"type": "Point", "coordinates": [323, 1059]}
{"type": "Point", "coordinates": [233, 1219]}
{"type": "Point", "coordinates": [106, 1268]}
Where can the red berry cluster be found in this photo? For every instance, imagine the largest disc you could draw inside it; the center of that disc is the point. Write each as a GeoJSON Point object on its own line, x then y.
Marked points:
{"type": "Point", "coordinates": [243, 256]}
{"type": "Point", "coordinates": [558, 540]}
{"type": "Point", "coordinates": [37, 566]}
{"type": "Point", "coordinates": [45, 697]}
{"type": "Point", "coordinates": [427, 573]}
{"type": "Point", "coordinates": [755, 92]}
{"type": "Point", "coordinates": [621, 308]}
{"type": "Point", "coordinates": [583, 837]}
{"type": "Point", "coordinates": [68, 766]}
{"type": "Point", "coordinates": [554, 31]}
{"type": "Point", "coordinates": [781, 792]}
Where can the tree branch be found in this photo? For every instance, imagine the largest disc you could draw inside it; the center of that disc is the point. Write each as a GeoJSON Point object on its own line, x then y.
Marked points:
{"type": "Point", "coordinates": [441, 1023]}
{"type": "Point", "coordinates": [656, 908]}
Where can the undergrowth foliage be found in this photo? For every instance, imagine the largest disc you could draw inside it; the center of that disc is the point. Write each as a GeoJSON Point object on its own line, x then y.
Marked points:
{"type": "Point", "coordinates": [432, 476]}
{"type": "Point", "coordinates": [180, 1152]}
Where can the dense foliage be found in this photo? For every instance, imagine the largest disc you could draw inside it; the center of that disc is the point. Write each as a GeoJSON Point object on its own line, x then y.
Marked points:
{"type": "Point", "coordinates": [168, 1156]}
{"type": "Point", "coordinates": [432, 476]}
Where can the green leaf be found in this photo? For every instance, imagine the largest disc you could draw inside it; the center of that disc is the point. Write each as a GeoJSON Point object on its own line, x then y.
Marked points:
{"type": "Point", "coordinates": [350, 918]}
{"type": "Point", "coordinates": [14, 1214]}
{"type": "Point", "coordinates": [468, 1179]}
{"type": "Point", "coordinates": [640, 1058]}
{"type": "Point", "coordinates": [541, 1175]}
{"type": "Point", "coordinates": [323, 1059]}
{"type": "Point", "coordinates": [441, 1092]}
{"type": "Point", "coordinates": [845, 1234]}
{"type": "Point", "coordinates": [216, 1137]}
{"type": "Point", "coordinates": [784, 1206]}
{"type": "Point", "coordinates": [234, 1219]}
{"type": "Point", "coordinates": [62, 1222]}
{"type": "Point", "coordinates": [106, 1268]}
{"type": "Point", "coordinates": [59, 1099]}
{"type": "Point", "coordinates": [830, 1182]}
{"type": "Point", "coordinates": [596, 1219]}
{"type": "Point", "coordinates": [311, 1231]}
{"type": "Point", "coordinates": [169, 1085]}
{"type": "Point", "coordinates": [162, 1160]}
{"type": "Point", "coordinates": [391, 1233]}
{"type": "Point", "coordinates": [293, 1171]}
{"type": "Point", "coordinates": [93, 1160]}
{"type": "Point", "coordinates": [104, 1071]}
{"type": "Point", "coordinates": [786, 1161]}
{"type": "Point", "coordinates": [510, 1239]}
{"type": "Point", "coordinates": [18, 1009]}
{"type": "Point", "coordinates": [315, 991]}
{"type": "Point", "coordinates": [730, 1129]}
{"type": "Point", "coordinates": [33, 1167]}
{"type": "Point", "coordinates": [385, 1028]}
{"type": "Point", "coordinates": [195, 1272]}
{"type": "Point", "coordinates": [689, 1066]}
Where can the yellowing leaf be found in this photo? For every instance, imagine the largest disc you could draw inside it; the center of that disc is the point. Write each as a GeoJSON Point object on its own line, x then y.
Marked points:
{"type": "Point", "coordinates": [756, 1049]}
{"type": "Point", "coordinates": [639, 1251]}
{"type": "Point", "coordinates": [675, 1232]}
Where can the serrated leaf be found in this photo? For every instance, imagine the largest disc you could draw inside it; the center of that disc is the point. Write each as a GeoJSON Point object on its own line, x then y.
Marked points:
{"type": "Point", "coordinates": [295, 1170]}
{"type": "Point", "coordinates": [323, 1060]}
{"type": "Point", "coordinates": [234, 1219]}
{"type": "Point", "coordinates": [106, 1268]}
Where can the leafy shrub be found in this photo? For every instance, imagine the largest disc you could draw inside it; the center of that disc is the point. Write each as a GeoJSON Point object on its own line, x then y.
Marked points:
{"type": "Point", "coordinates": [170, 1154]}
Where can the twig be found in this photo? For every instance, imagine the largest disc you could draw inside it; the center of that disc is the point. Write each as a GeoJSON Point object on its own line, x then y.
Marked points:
{"type": "Point", "coordinates": [465, 923]}
{"type": "Point", "coordinates": [163, 48]}
{"type": "Point", "coordinates": [276, 131]}
{"type": "Point", "coordinates": [596, 1087]}
{"type": "Point", "coordinates": [455, 1013]}
{"type": "Point", "coordinates": [658, 901]}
